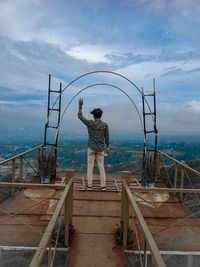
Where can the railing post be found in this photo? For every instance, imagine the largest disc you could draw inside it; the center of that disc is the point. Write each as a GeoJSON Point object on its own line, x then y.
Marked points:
{"type": "Point", "coordinates": [175, 177]}
{"type": "Point", "coordinates": [125, 207]}
{"type": "Point", "coordinates": [68, 206]}
{"type": "Point", "coordinates": [158, 156]}
{"type": "Point", "coordinates": [182, 181]}
{"type": "Point", "coordinates": [49, 255]}
{"type": "Point", "coordinates": [39, 150]}
{"type": "Point", "coordinates": [145, 254]}
{"type": "Point", "coordinates": [13, 177]}
{"type": "Point", "coordinates": [21, 169]}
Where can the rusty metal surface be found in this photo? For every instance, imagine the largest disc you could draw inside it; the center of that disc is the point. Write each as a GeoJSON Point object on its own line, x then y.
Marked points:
{"type": "Point", "coordinates": [95, 250]}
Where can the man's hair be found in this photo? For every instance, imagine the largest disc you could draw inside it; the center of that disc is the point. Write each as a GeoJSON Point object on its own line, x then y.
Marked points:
{"type": "Point", "coordinates": [97, 112]}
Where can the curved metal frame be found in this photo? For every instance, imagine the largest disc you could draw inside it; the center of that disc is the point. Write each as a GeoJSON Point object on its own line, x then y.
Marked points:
{"type": "Point", "coordinates": [100, 71]}
{"type": "Point", "coordinates": [99, 84]}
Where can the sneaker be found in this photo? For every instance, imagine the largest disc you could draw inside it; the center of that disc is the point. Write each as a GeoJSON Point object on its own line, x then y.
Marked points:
{"type": "Point", "coordinates": [87, 187]}
{"type": "Point", "coordinates": [103, 188]}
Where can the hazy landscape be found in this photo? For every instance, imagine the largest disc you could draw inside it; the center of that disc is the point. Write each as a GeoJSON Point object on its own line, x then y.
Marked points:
{"type": "Point", "coordinates": [183, 148]}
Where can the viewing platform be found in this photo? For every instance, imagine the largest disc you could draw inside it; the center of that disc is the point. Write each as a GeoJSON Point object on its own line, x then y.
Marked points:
{"type": "Point", "coordinates": [26, 217]}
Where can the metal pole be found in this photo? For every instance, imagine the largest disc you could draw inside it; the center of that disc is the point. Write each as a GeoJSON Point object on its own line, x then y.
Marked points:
{"type": "Point", "coordinates": [21, 169]}
{"type": "Point", "coordinates": [144, 122]}
{"type": "Point", "coordinates": [48, 108]}
{"type": "Point", "coordinates": [59, 111]}
{"type": "Point", "coordinates": [155, 128]}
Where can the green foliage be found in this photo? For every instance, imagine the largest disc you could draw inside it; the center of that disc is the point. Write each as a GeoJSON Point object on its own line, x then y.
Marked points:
{"type": "Point", "coordinates": [46, 164]}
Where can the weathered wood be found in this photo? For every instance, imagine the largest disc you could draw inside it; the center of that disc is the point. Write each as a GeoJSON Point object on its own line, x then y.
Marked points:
{"type": "Point", "coordinates": [49, 255]}
{"type": "Point", "coordinates": [165, 190]}
{"type": "Point", "coordinates": [13, 177]}
{"type": "Point", "coordinates": [125, 207]}
{"type": "Point", "coordinates": [180, 163]}
{"type": "Point", "coordinates": [182, 182]}
{"type": "Point", "coordinates": [39, 153]}
{"type": "Point", "coordinates": [158, 156]}
{"type": "Point", "coordinates": [19, 155]}
{"type": "Point", "coordinates": [145, 254]}
{"type": "Point", "coordinates": [190, 260]}
{"type": "Point", "coordinates": [175, 177]}
{"type": "Point", "coordinates": [21, 169]}
{"type": "Point", "coordinates": [145, 230]}
{"type": "Point", "coordinates": [68, 174]}
{"type": "Point", "coordinates": [111, 148]}
{"type": "Point", "coordinates": [24, 185]}
{"type": "Point", "coordinates": [68, 206]}
{"type": "Point", "coordinates": [37, 259]}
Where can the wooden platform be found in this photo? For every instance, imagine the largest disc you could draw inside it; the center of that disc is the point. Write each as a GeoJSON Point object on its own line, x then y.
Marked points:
{"type": "Point", "coordinates": [96, 215]}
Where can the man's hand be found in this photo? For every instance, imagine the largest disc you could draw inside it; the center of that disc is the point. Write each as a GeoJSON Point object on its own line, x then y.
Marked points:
{"type": "Point", "coordinates": [80, 102]}
{"type": "Point", "coordinates": [80, 105]}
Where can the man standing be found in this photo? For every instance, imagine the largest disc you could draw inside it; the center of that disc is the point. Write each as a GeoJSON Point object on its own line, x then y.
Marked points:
{"type": "Point", "coordinates": [98, 132]}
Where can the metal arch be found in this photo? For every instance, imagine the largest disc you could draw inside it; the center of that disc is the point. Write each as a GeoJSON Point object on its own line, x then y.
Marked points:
{"type": "Point", "coordinates": [101, 71]}
{"type": "Point", "coordinates": [97, 84]}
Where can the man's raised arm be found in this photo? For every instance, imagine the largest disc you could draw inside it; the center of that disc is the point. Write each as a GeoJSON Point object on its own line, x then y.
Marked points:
{"type": "Point", "coordinates": [80, 116]}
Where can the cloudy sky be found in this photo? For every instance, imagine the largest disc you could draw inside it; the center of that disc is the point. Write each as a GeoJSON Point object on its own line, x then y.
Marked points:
{"type": "Point", "coordinates": [140, 39]}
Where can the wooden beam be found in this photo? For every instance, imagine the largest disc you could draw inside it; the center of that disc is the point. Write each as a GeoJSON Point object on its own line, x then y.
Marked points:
{"type": "Point", "coordinates": [158, 156]}
{"type": "Point", "coordinates": [175, 177]}
{"type": "Point", "coordinates": [68, 206]}
{"type": "Point", "coordinates": [125, 207]}
{"type": "Point", "coordinates": [13, 177]}
{"type": "Point", "coordinates": [111, 148]}
{"type": "Point", "coordinates": [27, 185]}
{"type": "Point", "coordinates": [37, 259]}
{"type": "Point", "coordinates": [182, 182]}
{"type": "Point", "coordinates": [180, 163]}
{"type": "Point", "coordinates": [145, 230]}
{"type": "Point", "coordinates": [21, 169]}
{"type": "Point", "coordinates": [19, 155]}
{"type": "Point", "coordinates": [165, 190]}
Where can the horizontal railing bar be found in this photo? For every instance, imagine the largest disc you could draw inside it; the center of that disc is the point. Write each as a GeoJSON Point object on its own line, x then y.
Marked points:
{"type": "Point", "coordinates": [179, 163]}
{"type": "Point", "coordinates": [147, 234]}
{"type": "Point", "coordinates": [166, 252]}
{"type": "Point", "coordinates": [31, 185]}
{"type": "Point", "coordinates": [111, 148]}
{"type": "Point", "coordinates": [36, 261]}
{"type": "Point", "coordinates": [19, 155]}
{"type": "Point", "coordinates": [165, 190]}
{"type": "Point", "coordinates": [29, 248]}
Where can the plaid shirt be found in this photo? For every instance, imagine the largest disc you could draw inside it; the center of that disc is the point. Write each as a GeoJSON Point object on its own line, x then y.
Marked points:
{"type": "Point", "coordinates": [97, 131]}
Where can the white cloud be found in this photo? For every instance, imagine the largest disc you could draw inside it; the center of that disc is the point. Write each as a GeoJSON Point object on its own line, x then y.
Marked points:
{"type": "Point", "coordinates": [182, 118]}
{"type": "Point", "coordinates": [15, 22]}
{"type": "Point", "coordinates": [193, 106]}
{"type": "Point", "coordinates": [90, 53]}
{"type": "Point", "coordinates": [154, 69]}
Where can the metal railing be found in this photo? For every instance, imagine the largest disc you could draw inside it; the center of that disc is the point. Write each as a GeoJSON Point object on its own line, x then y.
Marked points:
{"type": "Point", "coordinates": [178, 165]}
{"type": "Point", "coordinates": [65, 201]}
{"type": "Point", "coordinates": [13, 161]}
{"type": "Point", "coordinates": [127, 198]}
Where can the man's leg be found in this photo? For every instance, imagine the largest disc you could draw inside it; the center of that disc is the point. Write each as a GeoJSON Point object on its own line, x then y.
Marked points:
{"type": "Point", "coordinates": [90, 166]}
{"type": "Point", "coordinates": [100, 162]}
